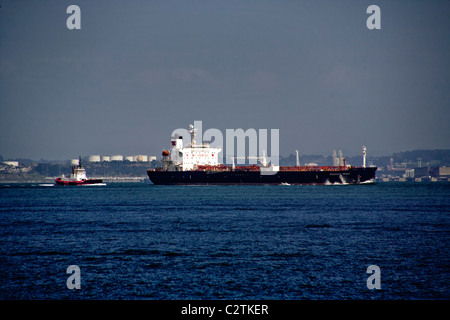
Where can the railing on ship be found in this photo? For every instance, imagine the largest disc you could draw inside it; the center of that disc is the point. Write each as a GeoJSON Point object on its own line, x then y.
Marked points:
{"type": "Point", "coordinates": [314, 168]}
{"type": "Point", "coordinates": [222, 167]}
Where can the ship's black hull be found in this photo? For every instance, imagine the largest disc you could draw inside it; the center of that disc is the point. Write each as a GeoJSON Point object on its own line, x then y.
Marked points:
{"type": "Point", "coordinates": [348, 176]}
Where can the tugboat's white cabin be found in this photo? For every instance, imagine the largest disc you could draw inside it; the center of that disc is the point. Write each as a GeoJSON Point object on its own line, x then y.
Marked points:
{"type": "Point", "coordinates": [78, 174]}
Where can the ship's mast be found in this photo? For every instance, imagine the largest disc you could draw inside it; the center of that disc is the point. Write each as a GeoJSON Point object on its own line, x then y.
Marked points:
{"type": "Point", "coordinates": [192, 131]}
{"type": "Point", "coordinates": [298, 160]}
{"type": "Point", "coordinates": [335, 159]}
{"type": "Point", "coordinates": [262, 159]}
{"type": "Point", "coordinates": [364, 156]}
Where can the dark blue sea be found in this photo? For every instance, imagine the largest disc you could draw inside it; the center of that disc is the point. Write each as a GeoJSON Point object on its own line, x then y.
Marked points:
{"type": "Point", "coordinates": [140, 241]}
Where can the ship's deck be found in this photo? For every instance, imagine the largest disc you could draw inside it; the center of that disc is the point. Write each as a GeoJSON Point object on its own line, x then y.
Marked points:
{"type": "Point", "coordinates": [221, 168]}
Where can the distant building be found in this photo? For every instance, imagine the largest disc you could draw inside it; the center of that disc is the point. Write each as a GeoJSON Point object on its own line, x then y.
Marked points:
{"type": "Point", "coordinates": [422, 172]}
{"type": "Point", "coordinates": [12, 163]}
{"type": "Point", "coordinates": [444, 172]}
{"type": "Point", "coordinates": [94, 158]}
{"type": "Point", "coordinates": [117, 157]}
{"type": "Point", "coordinates": [409, 173]}
{"type": "Point", "coordinates": [312, 164]}
{"type": "Point", "coordinates": [141, 158]}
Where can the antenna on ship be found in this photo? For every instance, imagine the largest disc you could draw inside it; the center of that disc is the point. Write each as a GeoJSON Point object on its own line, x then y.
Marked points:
{"type": "Point", "coordinates": [263, 159]}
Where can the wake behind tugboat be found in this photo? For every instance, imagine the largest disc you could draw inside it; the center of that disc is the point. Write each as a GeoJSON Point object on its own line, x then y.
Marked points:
{"type": "Point", "coordinates": [198, 164]}
{"type": "Point", "coordinates": [78, 178]}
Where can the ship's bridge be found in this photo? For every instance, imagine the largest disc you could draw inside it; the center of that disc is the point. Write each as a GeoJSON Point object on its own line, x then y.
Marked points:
{"type": "Point", "coordinates": [193, 156]}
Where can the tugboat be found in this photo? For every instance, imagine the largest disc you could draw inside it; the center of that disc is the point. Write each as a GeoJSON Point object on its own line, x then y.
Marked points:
{"type": "Point", "coordinates": [77, 177]}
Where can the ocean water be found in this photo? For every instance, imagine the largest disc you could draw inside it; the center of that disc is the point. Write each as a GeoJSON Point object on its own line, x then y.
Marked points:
{"type": "Point", "coordinates": [140, 241]}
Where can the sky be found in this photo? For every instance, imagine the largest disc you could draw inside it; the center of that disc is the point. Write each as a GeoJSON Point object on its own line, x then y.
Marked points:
{"type": "Point", "coordinates": [137, 70]}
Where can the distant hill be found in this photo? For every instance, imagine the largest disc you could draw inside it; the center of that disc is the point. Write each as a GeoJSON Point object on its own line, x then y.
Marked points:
{"type": "Point", "coordinates": [443, 156]}
{"type": "Point", "coordinates": [435, 158]}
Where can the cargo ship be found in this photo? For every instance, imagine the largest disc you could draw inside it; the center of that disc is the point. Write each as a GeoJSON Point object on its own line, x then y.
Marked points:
{"type": "Point", "coordinates": [77, 177]}
{"type": "Point", "coordinates": [199, 165]}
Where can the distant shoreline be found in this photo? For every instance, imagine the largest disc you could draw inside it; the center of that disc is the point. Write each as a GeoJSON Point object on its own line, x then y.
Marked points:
{"type": "Point", "coordinates": [108, 179]}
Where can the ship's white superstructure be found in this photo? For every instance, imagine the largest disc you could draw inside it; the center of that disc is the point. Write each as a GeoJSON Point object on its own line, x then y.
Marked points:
{"type": "Point", "coordinates": [180, 158]}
